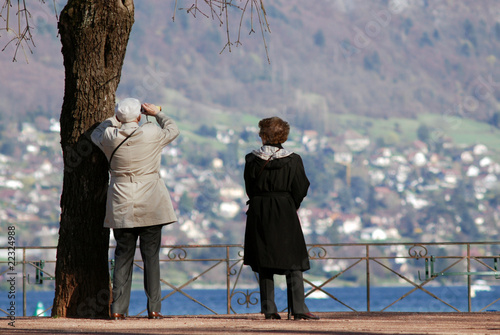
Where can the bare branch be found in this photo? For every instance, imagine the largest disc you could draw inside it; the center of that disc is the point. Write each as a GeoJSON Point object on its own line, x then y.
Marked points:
{"type": "Point", "coordinates": [23, 38]}
{"type": "Point", "coordinates": [216, 9]}
{"type": "Point", "coordinates": [219, 10]}
{"type": "Point", "coordinates": [263, 26]}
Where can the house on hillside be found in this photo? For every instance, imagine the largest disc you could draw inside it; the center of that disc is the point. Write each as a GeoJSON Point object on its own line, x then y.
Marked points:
{"type": "Point", "coordinates": [28, 133]}
{"type": "Point", "coordinates": [355, 141]}
{"type": "Point", "coordinates": [229, 209]}
{"type": "Point", "coordinates": [225, 136]}
{"type": "Point", "coordinates": [55, 126]}
{"type": "Point", "coordinates": [342, 154]}
{"type": "Point", "coordinates": [310, 140]}
{"type": "Point", "coordinates": [11, 184]}
{"type": "Point", "coordinates": [494, 167]}
{"type": "Point", "coordinates": [420, 146]}
{"type": "Point", "coordinates": [230, 190]}
{"type": "Point", "coordinates": [45, 168]}
{"type": "Point", "coordinates": [485, 161]}
{"type": "Point", "coordinates": [322, 219]}
{"type": "Point", "coordinates": [349, 223]}
{"type": "Point", "coordinates": [217, 163]}
{"type": "Point", "coordinates": [373, 234]}
{"type": "Point", "coordinates": [232, 196]}
{"type": "Point", "coordinates": [416, 201]}
{"type": "Point", "coordinates": [417, 158]}
{"type": "Point", "coordinates": [467, 157]}
{"type": "Point", "coordinates": [487, 181]}
{"type": "Point", "coordinates": [376, 176]}
{"type": "Point", "coordinates": [480, 149]}
{"type": "Point", "coordinates": [472, 171]}
{"type": "Point", "coordinates": [381, 158]}
{"type": "Point", "coordinates": [450, 178]}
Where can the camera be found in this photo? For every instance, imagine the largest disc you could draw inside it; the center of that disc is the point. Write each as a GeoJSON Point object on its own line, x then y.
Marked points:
{"type": "Point", "coordinates": [144, 112]}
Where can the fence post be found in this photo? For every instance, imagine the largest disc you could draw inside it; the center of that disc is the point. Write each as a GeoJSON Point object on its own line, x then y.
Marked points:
{"type": "Point", "coordinates": [468, 278]}
{"type": "Point", "coordinates": [24, 282]}
{"type": "Point", "coordinates": [368, 278]}
{"type": "Point", "coordinates": [228, 281]}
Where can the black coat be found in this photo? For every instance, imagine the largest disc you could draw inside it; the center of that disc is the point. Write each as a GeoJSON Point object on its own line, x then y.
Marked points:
{"type": "Point", "coordinates": [273, 235]}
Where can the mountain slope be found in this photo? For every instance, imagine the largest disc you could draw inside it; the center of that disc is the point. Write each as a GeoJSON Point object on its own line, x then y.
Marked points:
{"type": "Point", "coordinates": [379, 58]}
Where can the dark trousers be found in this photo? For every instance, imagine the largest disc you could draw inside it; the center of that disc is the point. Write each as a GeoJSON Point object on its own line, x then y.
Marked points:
{"type": "Point", "coordinates": [295, 292]}
{"type": "Point", "coordinates": [149, 242]}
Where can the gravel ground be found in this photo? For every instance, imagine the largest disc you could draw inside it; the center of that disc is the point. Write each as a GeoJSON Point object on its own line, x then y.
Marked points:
{"type": "Point", "coordinates": [331, 323]}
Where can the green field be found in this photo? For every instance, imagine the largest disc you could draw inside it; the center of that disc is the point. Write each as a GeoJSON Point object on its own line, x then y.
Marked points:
{"type": "Point", "coordinates": [460, 130]}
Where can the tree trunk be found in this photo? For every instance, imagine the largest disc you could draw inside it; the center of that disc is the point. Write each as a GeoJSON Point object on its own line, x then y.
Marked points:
{"type": "Point", "coordinates": [94, 35]}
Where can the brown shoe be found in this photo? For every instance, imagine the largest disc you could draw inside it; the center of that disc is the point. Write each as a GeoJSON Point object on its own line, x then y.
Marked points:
{"type": "Point", "coordinates": [305, 316]}
{"type": "Point", "coordinates": [155, 315]}
{"type": "Point", "coordinates": [273, 316]}
{"type": "Point", "coordinates": [117, 316]}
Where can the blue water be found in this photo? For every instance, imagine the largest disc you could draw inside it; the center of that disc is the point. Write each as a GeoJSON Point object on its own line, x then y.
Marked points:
{"type": "Point", "coordinates": [355, 298]}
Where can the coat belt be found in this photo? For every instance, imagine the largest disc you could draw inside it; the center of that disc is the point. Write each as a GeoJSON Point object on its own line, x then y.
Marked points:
{"type": "Point", "coordinates": [272, 194]}
{"type": "Point", "coordinates": [135, 179]}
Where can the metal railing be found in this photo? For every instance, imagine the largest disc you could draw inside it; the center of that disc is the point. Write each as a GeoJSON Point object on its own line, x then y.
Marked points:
{"type": "Point", "coordinates": [413, 267]}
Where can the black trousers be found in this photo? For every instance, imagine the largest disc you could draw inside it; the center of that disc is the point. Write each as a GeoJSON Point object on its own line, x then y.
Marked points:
{"type": "Point", "coordinates": [295, 292]}
{"type": "Point", "coordinates": [149, 242]}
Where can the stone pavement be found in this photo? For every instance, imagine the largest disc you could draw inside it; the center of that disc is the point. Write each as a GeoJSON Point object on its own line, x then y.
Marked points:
{"type": "Point", "coordinates": [341, 323]}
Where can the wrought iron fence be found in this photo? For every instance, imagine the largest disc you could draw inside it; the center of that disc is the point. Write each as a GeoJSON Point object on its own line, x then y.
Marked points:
{"type": "Point", "coordinates": [402, 269]}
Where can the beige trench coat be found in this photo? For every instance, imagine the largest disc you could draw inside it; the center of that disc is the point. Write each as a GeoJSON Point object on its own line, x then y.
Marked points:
{"type": "Point", "coordinates": [137, 196]}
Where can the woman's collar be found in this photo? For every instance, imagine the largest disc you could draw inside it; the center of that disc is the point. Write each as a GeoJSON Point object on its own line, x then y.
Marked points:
{"type": "Point", "coordinates": [270, 152]}
{"type": "Point", "coordinates": [277, 145]}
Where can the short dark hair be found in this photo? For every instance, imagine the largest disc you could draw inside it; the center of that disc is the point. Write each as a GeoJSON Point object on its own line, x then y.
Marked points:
{"type": "Point", "coordinates": [274, 130]}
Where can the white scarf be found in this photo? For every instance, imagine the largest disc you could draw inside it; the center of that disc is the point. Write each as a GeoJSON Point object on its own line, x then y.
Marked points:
{"type": "Point", "coordinates": [269, 152]}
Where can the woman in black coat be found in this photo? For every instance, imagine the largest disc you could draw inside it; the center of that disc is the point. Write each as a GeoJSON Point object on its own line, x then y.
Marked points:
{"type": "Point", "coordinates": [276, 184]}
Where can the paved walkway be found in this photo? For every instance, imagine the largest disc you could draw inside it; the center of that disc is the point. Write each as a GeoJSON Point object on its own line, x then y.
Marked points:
{"type": "Point", "coordinates": [341, 323]}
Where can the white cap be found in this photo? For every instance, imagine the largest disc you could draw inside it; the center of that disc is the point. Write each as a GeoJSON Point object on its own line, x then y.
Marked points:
{"type": "Point", "coordinates": [128, 110]}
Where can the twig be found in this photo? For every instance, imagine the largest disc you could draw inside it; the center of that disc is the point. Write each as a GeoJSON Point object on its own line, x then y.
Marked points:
{"type": "Point", "coordinates": [219, 10]}
{"type": "Point", "coordinates": [22, 36]}
{"type": "Point", "coordinates": [262, 28]}
{"type": "Point", "coordinates": [175, 9]}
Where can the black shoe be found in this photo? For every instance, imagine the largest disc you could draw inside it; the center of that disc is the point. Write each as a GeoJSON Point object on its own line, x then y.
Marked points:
{"type": "Point", "coordinates": [155, 315]}
{"type": "Point", "coordinates": [306, 316]}
{"type": "Point", "coordinates": [274, 316]}
{"type": "Point", "coordinates": [117, 316]}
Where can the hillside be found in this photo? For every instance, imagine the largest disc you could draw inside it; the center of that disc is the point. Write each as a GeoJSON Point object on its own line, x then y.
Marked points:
{"type": "Point", "coordinates": [387, 105]}
{"type": "Point", "coordinates": [378, 58]}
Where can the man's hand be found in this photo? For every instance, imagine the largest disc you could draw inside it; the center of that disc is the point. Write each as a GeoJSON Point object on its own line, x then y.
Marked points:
{"type": "Point", "coordinates": [150, 109]}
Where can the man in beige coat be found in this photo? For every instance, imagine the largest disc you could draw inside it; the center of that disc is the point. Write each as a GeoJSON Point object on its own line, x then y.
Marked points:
{"type": "Point", "coordinates": [138, 203]}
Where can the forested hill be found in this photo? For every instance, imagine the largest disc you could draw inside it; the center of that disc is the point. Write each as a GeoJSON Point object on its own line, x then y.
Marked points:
{"type": "Point", "coordinates": [379, 58]}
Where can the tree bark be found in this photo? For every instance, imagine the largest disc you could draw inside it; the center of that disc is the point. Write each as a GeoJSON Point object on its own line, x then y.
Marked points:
{"type": "Point", "coordinates": [94, 35]}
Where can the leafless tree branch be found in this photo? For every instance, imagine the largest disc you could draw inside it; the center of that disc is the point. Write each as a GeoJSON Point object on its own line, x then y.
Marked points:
{"type": "Point", "coordinates": [23, 38]}
{"type": "Point", "coordinates": [219, 11]}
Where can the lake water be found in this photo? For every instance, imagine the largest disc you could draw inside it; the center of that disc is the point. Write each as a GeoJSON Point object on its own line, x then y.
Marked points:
{"type": "Point", "coordinates": [354, 297]}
